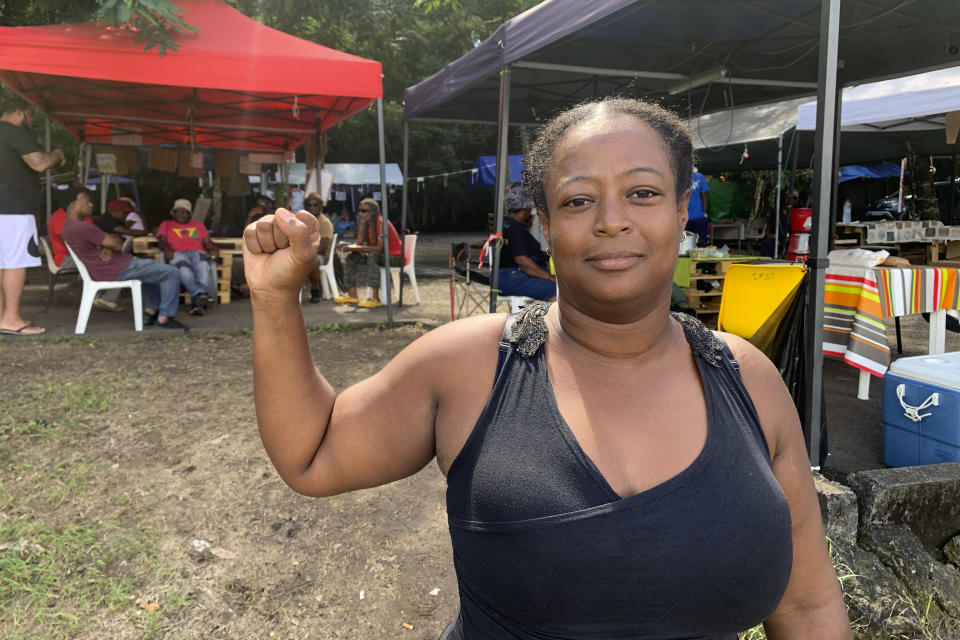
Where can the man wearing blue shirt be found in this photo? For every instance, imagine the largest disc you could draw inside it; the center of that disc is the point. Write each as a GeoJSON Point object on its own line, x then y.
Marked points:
{"type": "Point", "coordinates": [698, 207]}
{"type": "Point", "coordinates": [523, 263]}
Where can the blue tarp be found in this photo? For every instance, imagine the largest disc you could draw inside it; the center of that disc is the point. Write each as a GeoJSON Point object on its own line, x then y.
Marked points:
{"type": "Point", "coordinates": [883, 170]}
{"type": "Point", "coordinates": [487, 171]}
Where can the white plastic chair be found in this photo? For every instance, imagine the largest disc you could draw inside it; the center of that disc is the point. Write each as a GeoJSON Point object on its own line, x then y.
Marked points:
{"type": "Point", "coordinates": [54, 269]}
{"type": "Point", "coordinates": [409, 258]}
{"type": "Point", "coordinates": [328, 279]}
{"type": "Point", "coordinates": [516, 302]}
{"type": "Point", "coordinates": [91, 287]}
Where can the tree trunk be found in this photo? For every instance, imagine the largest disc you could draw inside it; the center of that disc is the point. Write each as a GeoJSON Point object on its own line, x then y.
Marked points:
{"type": "Point", "coordinates": [924, 193]}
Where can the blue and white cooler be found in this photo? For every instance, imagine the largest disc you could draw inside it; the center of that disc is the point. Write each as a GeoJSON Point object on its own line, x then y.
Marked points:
{"type": "Point", "coordinates": [921, 410]}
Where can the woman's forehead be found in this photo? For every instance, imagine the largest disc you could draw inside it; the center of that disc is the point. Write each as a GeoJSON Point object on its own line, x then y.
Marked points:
{"type": "Point", "coordinates": [607, 133]}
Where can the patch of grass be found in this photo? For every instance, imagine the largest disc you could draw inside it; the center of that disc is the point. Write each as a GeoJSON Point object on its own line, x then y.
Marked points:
{"type": "Point", "coordinates": [84, 398]}
{"type": "Point", "coordinates": [53, 578]}
{"type": "Point", "coordinates": [76, 340]}
{"type": "Point", "coordinates": [329, 328]}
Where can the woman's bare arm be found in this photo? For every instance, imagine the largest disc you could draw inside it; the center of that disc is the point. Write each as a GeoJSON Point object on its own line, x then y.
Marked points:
{"type": "Point", "coordinates": [812, 606]}
{"type": "Point", "coordinates": [319, 443]}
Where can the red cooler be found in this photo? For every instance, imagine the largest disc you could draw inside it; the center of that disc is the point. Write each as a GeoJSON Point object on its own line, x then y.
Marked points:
{"type": "Point", "coordinates": [800, 220]}
{"type": "Point", "coordinates": [799, 248]}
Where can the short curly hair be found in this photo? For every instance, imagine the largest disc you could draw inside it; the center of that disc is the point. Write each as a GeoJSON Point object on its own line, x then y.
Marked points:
{"type": "Point", "coordinates": [672, 131]}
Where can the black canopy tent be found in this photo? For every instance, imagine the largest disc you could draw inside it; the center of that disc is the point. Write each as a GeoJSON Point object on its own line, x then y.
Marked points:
{"type": "Point", "coordinates": [696, 56]}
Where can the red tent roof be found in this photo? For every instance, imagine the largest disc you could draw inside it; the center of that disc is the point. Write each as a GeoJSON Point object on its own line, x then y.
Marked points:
{"type": "Point", "coordinates": [236, 83]}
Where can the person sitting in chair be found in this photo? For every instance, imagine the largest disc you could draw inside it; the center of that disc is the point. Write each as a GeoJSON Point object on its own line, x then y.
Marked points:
{"type": "Point", "coordinates": [115, 220]}
{"type": "Point", "coordinates": [101, 255]}
{"type": "Point", "coordinates": [523, 263]}
{"type": "Point", "coordinates": [314, 204]}
{"type": "Point", "coordinates": [187, 246]}
{"type": "Point", "coordinates": [365, 257]}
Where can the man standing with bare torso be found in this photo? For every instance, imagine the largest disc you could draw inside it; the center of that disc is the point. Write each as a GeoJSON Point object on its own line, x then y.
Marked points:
{"type": "Point", "coordinates": [21, 163]}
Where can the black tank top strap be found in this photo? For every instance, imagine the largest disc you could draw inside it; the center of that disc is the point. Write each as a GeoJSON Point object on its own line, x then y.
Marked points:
{"type": "Point", "coordinates": [724, 372]}
{"type": "Point", "coordinates": [503, 348]}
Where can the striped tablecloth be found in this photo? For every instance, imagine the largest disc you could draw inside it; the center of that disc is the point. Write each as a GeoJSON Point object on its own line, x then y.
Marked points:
{"type": "Point", "coordinates": [858, 300]}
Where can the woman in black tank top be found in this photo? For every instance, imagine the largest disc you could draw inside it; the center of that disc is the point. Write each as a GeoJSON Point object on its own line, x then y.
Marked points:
{"type": "Point", "coordinates": [615, 471]}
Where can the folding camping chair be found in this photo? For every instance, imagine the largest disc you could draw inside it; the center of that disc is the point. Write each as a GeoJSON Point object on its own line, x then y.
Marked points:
{"type": "Point", "coordinates": [469, 286]}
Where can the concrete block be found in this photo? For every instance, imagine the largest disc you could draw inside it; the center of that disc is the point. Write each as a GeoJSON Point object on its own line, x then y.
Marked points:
{"type": "Point", "coordinates": [901, 552]}
{"type": "Point", "coordinates": [925, 498]}
{"type": "Point", "coordinates": [838, 508]}
{"type": "Point", "coordinates": [873, 596]}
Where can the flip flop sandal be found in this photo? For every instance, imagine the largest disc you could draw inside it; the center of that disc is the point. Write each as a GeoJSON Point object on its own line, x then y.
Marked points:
{"type": "Point", "coordinates": [19, 332]}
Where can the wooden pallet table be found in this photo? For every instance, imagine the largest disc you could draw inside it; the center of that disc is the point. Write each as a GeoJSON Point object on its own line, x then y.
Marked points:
{"type": "Point", "coordinates": [149, 247]}
{"type": "Point", "coordinates": [690, 271]}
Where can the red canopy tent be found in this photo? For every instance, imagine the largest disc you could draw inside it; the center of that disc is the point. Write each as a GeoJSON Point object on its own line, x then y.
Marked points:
{"type": "Point", "coordinates": [235, 83]}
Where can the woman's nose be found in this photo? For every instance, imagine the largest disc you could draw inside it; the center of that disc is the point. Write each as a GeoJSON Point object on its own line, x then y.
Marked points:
{"type": "Point", "coordinates": [612, 218]}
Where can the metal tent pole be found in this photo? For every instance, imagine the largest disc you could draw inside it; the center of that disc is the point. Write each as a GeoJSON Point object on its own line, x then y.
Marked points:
{"type": "Point", "coordinates": [403, 204]}
{"type": "Point", "coordinates": [827, 123]}
{"type": "Point", "coordinates": [384, 210]}
{"type": "Point", "coordinates": [87, 157]}
{"type": "Point", "coordinates": [48, 175]}
{"type": "Point", "coordinates": [795, 152]}
{"type": "Point", "coordinates": [503, 124]}
{"type": "Point", "coordinates": [776, 216]}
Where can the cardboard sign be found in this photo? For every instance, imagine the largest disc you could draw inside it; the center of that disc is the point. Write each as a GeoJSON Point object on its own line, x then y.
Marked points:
{"type": "Point", "coordinates": [162, 159]}
{"type": "Point", "coordinates": [127, 135]}
{"type": "Point", "coordinates": [953, 126]}
{"type": "Point", "coordinates": [246, 167]}
{"type": "Point", "coordinates": [225, 164]}
{"type": "Point", "coordinates": [187, 170]}
{"type": "Point", "coordinates": [107, 163]}
{"type": "Point", "coordinates": [132, 158]}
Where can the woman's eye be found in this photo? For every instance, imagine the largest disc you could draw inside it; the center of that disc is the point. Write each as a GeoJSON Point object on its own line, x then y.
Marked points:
{"type": "Point", "coordinates": [644, 194]}
{"type": "Point", "coordinates": [576, 202]}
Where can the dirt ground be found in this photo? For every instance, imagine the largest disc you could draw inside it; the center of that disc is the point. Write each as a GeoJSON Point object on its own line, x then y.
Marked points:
{"type": "Point", "coordinates": [134, 483]}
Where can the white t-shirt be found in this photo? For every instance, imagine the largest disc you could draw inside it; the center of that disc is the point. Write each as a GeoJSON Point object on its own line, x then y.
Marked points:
{"type": "Point", "coordinates": [136, 222]}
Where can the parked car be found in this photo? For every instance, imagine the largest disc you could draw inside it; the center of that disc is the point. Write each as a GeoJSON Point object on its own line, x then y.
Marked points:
{"type": "Point", "coordinates": [885, 208]}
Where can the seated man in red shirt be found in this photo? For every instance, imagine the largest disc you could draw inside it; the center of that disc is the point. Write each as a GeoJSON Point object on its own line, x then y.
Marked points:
{"type": "Point", "coordinates": [101, 255]}
{"type": "Point", "coordinates": [105, 300]}
{"type": "Point", "coordinates": [115, 220]}
{"type": "Point", "coordinates": [55, 225]}
{"type": "Point", "coordinates": [188, 247]}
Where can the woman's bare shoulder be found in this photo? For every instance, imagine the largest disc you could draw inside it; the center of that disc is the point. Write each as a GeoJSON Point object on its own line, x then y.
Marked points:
{"type": "Point", "coordinates": [460, 344]}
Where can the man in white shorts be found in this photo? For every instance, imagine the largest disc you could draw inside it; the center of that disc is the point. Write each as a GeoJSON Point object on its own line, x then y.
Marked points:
{"type": "Point", "coordinates": [21, 163]}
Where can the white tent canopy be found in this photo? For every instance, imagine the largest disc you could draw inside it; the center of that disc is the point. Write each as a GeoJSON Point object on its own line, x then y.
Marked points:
{"type": "Point", "coordinates": [746, 124]}
{"type": "Point", "coordinates": [351, 173]}
{"type": "Point", "coordinates": [905, 104]}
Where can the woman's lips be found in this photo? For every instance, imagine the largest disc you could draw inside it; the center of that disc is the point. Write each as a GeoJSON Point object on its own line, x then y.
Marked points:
{"type": "Point", "coordinates": [614, 261]}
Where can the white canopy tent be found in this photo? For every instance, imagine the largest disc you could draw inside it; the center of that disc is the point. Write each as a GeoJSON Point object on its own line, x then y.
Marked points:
{"type": "Point", "coordinates": [718, 136]}
{"type": "Point", "coordinates": [756, 123]}
{"type": "Point", "coordinates": [345, 173]}
{"type": "Point", "coordinates": [913, 103]}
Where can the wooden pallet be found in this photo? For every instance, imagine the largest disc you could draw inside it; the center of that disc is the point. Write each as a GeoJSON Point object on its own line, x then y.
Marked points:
{"type": "Point", "coordinates": [689, 271]}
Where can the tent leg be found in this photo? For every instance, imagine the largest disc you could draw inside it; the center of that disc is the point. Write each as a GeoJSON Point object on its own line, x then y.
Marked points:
{"type": "Point", "coordinates": [104, 187]}
{"type": "Point", "coordinates": [385, 210]}
{"type": "Point", "coordinates": [503, 168]}
{"type": "Point", "coordinates": [48, 175]}
{"type": "Point", "coordinates": [827, 122]}
{"type": "Point", "coordinates": [776, 216]}
{"type": "Point", "coordinates": [88, 156]}
{"type": "Point", "coordinates": [403, 204]}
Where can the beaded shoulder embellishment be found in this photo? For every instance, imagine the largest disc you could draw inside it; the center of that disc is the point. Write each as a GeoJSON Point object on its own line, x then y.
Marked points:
{"type": "Point", "coordinates": [530, 329]}
{"type": "Point", "coordinates": [530, 333]}
{"type": "Point", "coordinates": [702, 340]}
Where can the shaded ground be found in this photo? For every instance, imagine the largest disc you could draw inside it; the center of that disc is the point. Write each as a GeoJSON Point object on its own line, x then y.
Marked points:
{"type": "Point", "coordinates": [117, 454]}
{"type": "Point", "coordinates": [118, 451]}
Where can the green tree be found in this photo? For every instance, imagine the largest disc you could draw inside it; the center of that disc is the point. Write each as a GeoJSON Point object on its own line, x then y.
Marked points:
{"type": "Point", "coordinates": [156, 20]}
{"type": "Point", "coordinates": [411, 38]}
